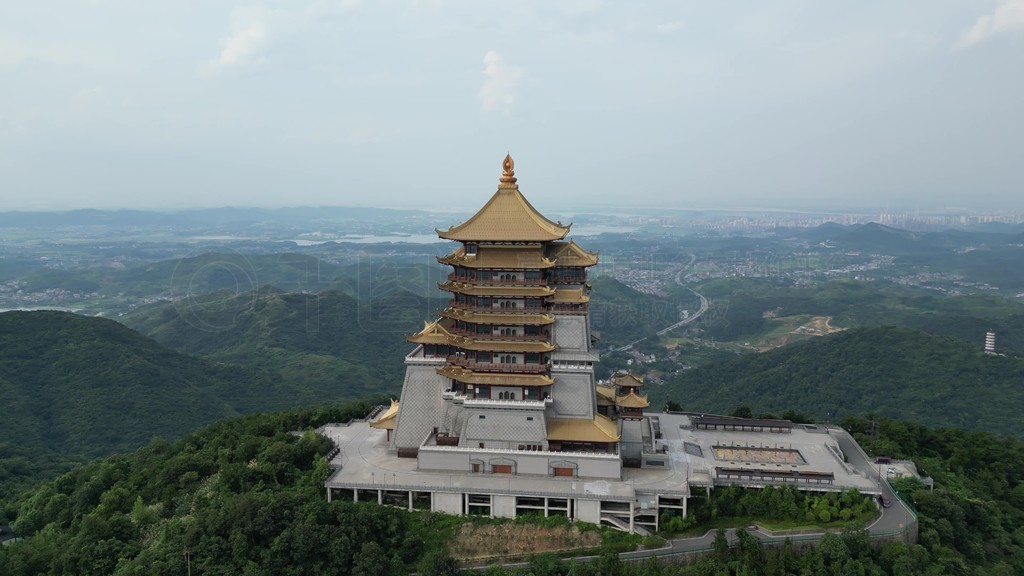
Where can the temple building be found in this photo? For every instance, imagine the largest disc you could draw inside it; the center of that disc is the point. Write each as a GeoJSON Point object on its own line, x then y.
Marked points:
{"type": "Point", "coordinates": [509, 364]}
{"type": "Point", "coordinates": [500, 413]}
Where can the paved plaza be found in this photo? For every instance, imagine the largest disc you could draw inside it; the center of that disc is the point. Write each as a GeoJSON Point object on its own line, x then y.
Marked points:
{"type": "Point", "coordinates": [364, 461]}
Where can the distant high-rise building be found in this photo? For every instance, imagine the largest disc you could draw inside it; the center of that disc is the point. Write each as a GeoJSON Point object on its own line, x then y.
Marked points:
{"type": "Point", "coordinates": [990, 342]}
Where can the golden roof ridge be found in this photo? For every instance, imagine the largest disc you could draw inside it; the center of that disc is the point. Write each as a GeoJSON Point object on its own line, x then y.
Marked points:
{"type": "Point", "coordinates": [508, 215]}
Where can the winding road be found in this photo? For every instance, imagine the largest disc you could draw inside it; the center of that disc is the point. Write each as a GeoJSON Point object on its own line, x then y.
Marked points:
{"type": "Point", "coordinates": [704, 305]}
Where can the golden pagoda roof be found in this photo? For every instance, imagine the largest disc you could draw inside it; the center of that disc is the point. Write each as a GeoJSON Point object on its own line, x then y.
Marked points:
{"type": "Point", "coordinates": [600, 429]}
{"type": "Point", "coordinates": [570, 296]}
{"type": "Point", "coordinates": [500, 257]}
{"type": "Point", "coordinates": [387, 419]}
{"type": "Point", "coordinates": [632, 400]}
{"type": "Point", "coordinates": [507, 217]}
{"type": "Point", "coordinates": [502, 318]}
{"type": "Point", "coordinates": [571, 254]}
{"type": "Point", "coordinates": [605, 395]}
{"type": "Point", "coordinates": [511, 291]}
{"type": "Point", "coordinates": [627, 379]}
{"type": "Point", "coordinates": [484, 345]}
{"type": "Point", "coordinates": [433, 333]}
{"type": "Point", "coordinates": [471, 377]}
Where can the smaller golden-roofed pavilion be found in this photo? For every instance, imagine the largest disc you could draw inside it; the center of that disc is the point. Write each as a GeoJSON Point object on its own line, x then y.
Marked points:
{"type": "Point", "coordinates": [628, 399]}
{"type": "Point", "coordinates": [432, 333]}
{"type": "Point", "coordinates": [386, 420]}
{"type": "Point", "coordinates": [601, 430]}
{"type": "Point", "coordinates": [571, 254]}
{"type": "Point", "coordinates": [507, 217]}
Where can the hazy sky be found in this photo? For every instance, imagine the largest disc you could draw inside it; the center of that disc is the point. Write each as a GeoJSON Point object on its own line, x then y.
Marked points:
{"type": "Point", "coordinates": [802, 104]}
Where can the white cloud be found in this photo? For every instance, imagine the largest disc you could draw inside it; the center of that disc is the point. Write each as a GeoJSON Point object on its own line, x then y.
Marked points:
{"type": "Point", "coordinates": [14, 52]}
{"type": "Point", "coordinates": [253, 29]}
{"type": "Point", "coordinates": [86, 98]}
{"type": "Point", "coordinates": [669, 27]}
{"type": "Point", "coordinates": [500, 84]}
{"type": "Point", "coordinates": [1008, 18]}
{"type": "Point", "coordinates": [248, 30]}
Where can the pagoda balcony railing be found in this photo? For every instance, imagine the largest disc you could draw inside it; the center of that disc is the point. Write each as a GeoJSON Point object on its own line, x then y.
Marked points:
{"type": "Point", "coordinates": [525, 310]}
{"type": "Point", "coordinates": [499, 367]}
{"type": "Point", "coordinates": [481, 402]}
{"type": "Point", "coordinates": [495, 282]}
{"type": "Point", "coordinates": [505, 337]}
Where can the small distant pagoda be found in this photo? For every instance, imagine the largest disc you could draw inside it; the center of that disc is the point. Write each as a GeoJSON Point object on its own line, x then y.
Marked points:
{"type": "Point", "coordinates": [628, 399]}
{"type": "Point", "coordinates": [990, 342]}
{"type": "Point", "coordinates": [621, 397]}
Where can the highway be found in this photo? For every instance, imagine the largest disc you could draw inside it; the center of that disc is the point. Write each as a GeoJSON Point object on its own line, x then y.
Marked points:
{"type": "Point", "coordinates": [704, 305]}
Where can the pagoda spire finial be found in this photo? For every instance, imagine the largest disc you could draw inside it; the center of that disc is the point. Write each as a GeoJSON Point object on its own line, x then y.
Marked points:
{"type": "Point", "coordinates": [508, 173]}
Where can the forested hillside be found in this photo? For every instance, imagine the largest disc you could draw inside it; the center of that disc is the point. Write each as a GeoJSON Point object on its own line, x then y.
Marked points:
{"type": "Point", "coordinates": [889, 371]}
{"type": "Point", "coordinates": [329, 345]}
{"type": "Point", "coordinates": [245, 496]}
{"type": "Point", "coordinates": [75, 387]}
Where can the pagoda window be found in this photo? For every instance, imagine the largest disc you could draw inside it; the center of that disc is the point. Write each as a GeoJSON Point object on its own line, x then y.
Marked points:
{"type": "Point", "coordinates": [470, 248]}
{"type": "Point", "coordinates": [532, 330]}
{"type": "Point", "coordinates": [483, 391]}
{"type": "Point", "coordinates": [533, 275]}
{"type": "Point", "coordinates": [483, 357]}
{"type": "Point", "coordinates": [428, 350]}
{"type": "Point", "coordinates": [533, 358]}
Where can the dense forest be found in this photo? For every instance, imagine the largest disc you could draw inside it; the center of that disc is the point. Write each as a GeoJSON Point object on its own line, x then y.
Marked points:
{"type": "Point", "coordinates": [889, 371]}
{"type": "Point", "coordinates": [74, 387]}
{"type": "Point", "coordinates": [245, 496]}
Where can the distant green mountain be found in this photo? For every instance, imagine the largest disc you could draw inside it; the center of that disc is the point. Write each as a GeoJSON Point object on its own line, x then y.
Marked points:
{"type": "Point", "coordinates": [739, 306]}
{"type": "Point", "coordinates": [92, 386]}
{"type": "Point", "coordinates": [323, 346]}
{"type": "Point", "coordinates": [74, 387]}
{"type": "Point", "coordinates": [209, 272]}
{"type": "Point", "coordinates": [889, 371]}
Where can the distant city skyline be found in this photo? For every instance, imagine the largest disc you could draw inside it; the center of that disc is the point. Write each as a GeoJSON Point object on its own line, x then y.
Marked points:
{"type": "Point", "coordinates": [794, 105]}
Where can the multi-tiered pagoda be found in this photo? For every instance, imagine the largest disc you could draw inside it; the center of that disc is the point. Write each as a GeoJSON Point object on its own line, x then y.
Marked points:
{"type": "Point", "coordinates": [509, 364]}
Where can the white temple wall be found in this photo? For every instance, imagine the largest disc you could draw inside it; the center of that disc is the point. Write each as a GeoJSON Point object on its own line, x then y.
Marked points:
{"type": "Point", "coordinates": [573, 394]}
{"type": "Point", "coordinates": [447, 502]}
{"type": "Point", "coordinates": [524, 463]}
{"type": "Point", "coordinates": [421, 402]}
{"type": "Point", "coordinates": [503, 506]}
{"type": "Point", "coordinates": [589, 511]}
{"type": "Point", "coordinates": [571, 333]}
{"type": "Point", "coordinates": [504, 430]}
{"type": "Point", "coordinates": [456, 461]}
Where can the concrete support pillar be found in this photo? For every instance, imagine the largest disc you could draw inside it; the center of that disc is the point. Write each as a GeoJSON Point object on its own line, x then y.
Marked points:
{"type": "Point", "coordinates": [355, 495]}
{"type": "Point", "coordinates": [631, 503]}
{"type": "Point", "coordinates": [328, 495]}
{"type": "Point", "coordinates": [410, 500]}
{"type": "Point", "coordinates": [684, 506]}
{"type": "Point", "coordinates": [380, 496]}
{"type": "Point", "coordinates": [545, 507]}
